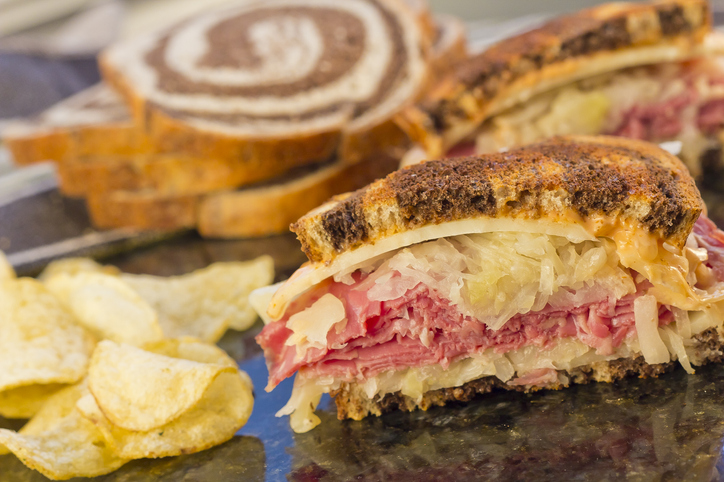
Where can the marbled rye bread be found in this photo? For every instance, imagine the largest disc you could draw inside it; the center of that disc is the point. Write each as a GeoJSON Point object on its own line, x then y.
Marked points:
{"type": "Point", "coordinates": [94, 121]}
{"type": "Point", "coordinates": [557, 180]}
{"type": "Point", "coordinates": [271, 80]}
{"type": "Point", "coordinates": [601, 39]}
{"type": "Point", "coordinates": [98, 148]}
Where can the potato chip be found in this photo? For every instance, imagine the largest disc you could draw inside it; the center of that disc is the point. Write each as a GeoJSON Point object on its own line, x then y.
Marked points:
{"type": "Point", "coordinates": [72, 266]}
{"type": "Point", "coordinates": [190, 348]}
{"type": "Point", "coordinates": [224, 409]}
{"type": "Point", "coordinates": [205, 303]}
{"type": "Point", "coordinates": [24, 402]}
{"type": "Point", "coordinates": [107, 306]}
{"type": "Point", "coordinates": [39, 341]}
{"type": "Point", "coordinates": [139, 390]}
{"type": "Point", "coordinates": [60, 443]}
{"type": "Point", "coordinates": [6, 270]}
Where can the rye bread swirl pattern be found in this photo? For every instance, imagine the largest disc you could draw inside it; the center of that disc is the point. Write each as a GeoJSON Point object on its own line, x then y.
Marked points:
{"type": "Point", "coordinates": [273, 71]}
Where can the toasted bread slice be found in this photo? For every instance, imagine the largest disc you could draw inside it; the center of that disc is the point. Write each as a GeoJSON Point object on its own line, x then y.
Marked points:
{"type": "Point", "coordinates": [94, 121]}
{"type": "Point", "coordinates": [259, 210]}
{"type": "Point", "coordinates": [99, 149]}
{"type": "Point", "coordinates": [595, 181]}
{"type": "Point", "coordinates": [164, 174]}
{"type": "Point", "coordinates": [602, 39]}
{"type": "Point", "coordinates": [211, 86]}
{"type": "Point", "coordinates": [145, 210]}
{"type": "Point", "coordinates": [271, 209]}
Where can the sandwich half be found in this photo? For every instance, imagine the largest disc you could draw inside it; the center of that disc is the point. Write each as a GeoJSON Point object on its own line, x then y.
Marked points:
{"type": "Point", "coordinates": [576, 259]}
{"type": "Point", "coordinates": [642, 70]}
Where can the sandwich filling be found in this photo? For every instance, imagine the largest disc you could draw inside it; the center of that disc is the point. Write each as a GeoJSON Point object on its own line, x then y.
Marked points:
{"type": "Point", "coordinates": [516, 305]}
{"type": "Point", "coordinates": [665, 102]}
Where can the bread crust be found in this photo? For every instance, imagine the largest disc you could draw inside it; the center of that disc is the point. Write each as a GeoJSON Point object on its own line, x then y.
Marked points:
{"type": "Point", "coordinates": [38, 148]}
{"type": "Point", "coordinates": [143, 210]}
{"type": "Point", "coordinates": [352, 403]}
{"type": "Point", "coordinates": [91, 122]}
{"type": "Point", "coordinates": [562, 179]}
{"type": "Point", "coordinates": [589, 42]}
{"type": "Point", "coordinates": [259, 210]}
{"type": "Point", "coordinates": [94, 175]}
{"type": "Point", "coordinates": [59, 143]}
{"type": "Point", "coordinates": [265, 211]}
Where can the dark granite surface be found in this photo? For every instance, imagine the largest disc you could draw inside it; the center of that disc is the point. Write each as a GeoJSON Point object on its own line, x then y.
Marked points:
{"type": "Point", "coordinates": [38, 228]}
{"type": "Point", "coordinates": [671, 428]}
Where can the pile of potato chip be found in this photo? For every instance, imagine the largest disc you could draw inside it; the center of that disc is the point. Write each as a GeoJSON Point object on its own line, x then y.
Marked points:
{"type": "Point", "coordinates": [114, 367]}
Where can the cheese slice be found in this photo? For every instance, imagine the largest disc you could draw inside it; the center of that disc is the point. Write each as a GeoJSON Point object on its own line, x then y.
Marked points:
{"type": "Point", "coordinates": [311, 274]}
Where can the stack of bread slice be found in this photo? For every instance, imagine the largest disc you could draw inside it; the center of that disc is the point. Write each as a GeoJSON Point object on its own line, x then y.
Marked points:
{"type": "Point", "coordinates": [240, 120]}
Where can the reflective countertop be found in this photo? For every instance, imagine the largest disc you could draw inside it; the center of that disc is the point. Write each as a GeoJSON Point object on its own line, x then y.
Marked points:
{"type": "Point", "coordinates": [670, 428]}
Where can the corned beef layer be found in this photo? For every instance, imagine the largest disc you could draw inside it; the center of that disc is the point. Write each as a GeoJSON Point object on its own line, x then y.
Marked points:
{"type": "Point", "coordinates": [422, 328]}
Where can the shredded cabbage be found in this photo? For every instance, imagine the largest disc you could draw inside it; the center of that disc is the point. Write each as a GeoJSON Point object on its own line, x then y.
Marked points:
{"type": "Point", "coordinates": [565, 354]}
{"type": "Point", "coordinates": [683, 325]}
{"type": "Point", "coordinates": [301, 405]}
{"type": "Point", "coordinates": [494, 276]}
{"type": "Point", "coordinates": [310, 327]}
{"type": "Point", "coordinates": [658, 344]}
{"type": "Point", "coordinates": [310, 274]}
{"type": "Point", "coordinates": [675, 344]}
{"type": "Point", "coordinates": [707, 318]}
{"type": "Point", "coordinates": [646, 313]}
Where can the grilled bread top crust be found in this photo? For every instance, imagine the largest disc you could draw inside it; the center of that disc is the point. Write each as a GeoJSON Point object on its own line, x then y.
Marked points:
{"type": "Point", "coordinates": [586, 43]}
{"type": "Point", "coordinates": [594, 180]}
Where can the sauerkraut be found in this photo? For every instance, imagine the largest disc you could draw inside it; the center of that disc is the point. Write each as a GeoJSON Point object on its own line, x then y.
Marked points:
{"type": "Point", "coordinates": [565, 354]}
{"type": "Point", "coordinates": [495, 276]}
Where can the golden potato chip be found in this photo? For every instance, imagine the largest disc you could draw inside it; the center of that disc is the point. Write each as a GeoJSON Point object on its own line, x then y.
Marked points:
{"type": "Point", "coordinates": [205, 303]}
{"type": "Point", "coordinates": [192, 349]}
{"type": "Point", "coordinates": [6, 270]}
{"type": "Point", "coordinates": [107, 306]}
{"type": "Point", "coordinates": [224, 409]}
{"type": "Point", "coordinates": [139, 390]}
{"type": "Point", "coordinates": [24, 402]}
{"type": "Point", "coordinates": [72, 266]}
{"type": "Point", "coordinates": [60, 443]}
{"type": "Point", "coordinates": [40, 343]}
